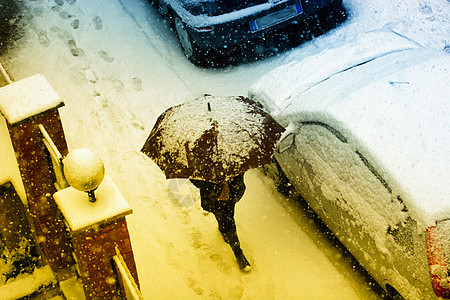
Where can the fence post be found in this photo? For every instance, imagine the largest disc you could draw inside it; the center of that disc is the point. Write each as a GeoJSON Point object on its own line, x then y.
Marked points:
{"type": "Point", "coordinates": [97, 230]}
{"type": "Point", "coordinates": [25, 104]}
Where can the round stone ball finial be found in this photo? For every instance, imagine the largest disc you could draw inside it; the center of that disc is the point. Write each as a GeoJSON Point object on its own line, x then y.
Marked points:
{"type": "Point", "coordinates": [84, 171]}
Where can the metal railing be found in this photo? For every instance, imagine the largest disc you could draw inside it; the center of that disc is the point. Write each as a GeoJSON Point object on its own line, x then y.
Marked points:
{"type": "Point", "coordinates": [56, 159]}
{"type": "Point", "coordinates": [131, 289]}
{"type": "Point", "coordinates": [7, 77]}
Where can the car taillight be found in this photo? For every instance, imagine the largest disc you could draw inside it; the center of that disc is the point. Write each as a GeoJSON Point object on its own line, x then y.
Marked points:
{"type": "Point", "coordinates": [204, 29]}
{"type": "Point", "coordinates": [438, 266]}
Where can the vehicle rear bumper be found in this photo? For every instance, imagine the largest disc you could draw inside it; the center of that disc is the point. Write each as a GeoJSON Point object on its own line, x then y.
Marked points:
{"type": "Point", "coordinates": [238, 32]}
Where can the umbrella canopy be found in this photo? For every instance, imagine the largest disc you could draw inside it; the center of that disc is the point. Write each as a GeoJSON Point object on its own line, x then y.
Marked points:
{"type": "Point", "coordinates": [212, 138]}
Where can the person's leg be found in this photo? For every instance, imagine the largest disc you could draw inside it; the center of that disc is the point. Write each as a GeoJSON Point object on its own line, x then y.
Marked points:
{"type": "Point", "coordinates": [224, 213]}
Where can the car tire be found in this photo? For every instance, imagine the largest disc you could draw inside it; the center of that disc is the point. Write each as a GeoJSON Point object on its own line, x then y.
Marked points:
{"type": "Point", "coordinates": [336, 13]}
{"type": "Point", "coordinates": [190, 48]}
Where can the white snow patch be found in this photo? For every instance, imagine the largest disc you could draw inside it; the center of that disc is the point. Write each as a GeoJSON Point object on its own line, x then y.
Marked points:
{"type": "Point", "coordinates": [27, 97]}
{"type": "Point", "coordinates": [237, 128]}
{"type": "Point", "coordinates": [291, 79]}
{"type": "Point", "coordinates": [27, 284]}
{"type": "Point", "coordinates": [80, 213]}
{"type": "Point", "coordinates": [83, 169]}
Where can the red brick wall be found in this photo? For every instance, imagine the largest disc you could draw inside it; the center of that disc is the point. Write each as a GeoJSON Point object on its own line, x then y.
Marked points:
{"type": "Point", "coordinates": [36, 172]}
{"type": "Point", "coordinates": [94, 250]}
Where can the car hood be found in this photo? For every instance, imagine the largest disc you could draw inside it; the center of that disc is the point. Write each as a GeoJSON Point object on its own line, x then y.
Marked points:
{"type": "Point", "coordinates": [393, 105]}
{"type": "Point", "coordinates": [284, 84]}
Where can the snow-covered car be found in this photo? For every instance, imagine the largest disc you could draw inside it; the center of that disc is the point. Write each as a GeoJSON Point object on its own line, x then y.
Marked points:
{"type": "Point", "coordinates": [367, 145]}
{"type": "Point", "coordinates": [204, 25]}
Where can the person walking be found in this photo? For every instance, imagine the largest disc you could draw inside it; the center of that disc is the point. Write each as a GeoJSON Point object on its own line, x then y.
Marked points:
{"type": "Point", "coordinates": [220, 199]}
{"type": "Point", "coordinates": [213, 141]}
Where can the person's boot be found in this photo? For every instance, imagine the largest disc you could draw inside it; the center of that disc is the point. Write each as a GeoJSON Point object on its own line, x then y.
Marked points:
{"type": "Point", "coordinates": [242, 261]}
{"type": "Point", "coordinates": [232, 239]}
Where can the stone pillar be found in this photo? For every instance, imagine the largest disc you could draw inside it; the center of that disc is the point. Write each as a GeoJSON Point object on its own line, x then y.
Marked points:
{"type": "Point", "coordinates": [26, 104]}
{"type": "Point", "coordinates": [99, 232]}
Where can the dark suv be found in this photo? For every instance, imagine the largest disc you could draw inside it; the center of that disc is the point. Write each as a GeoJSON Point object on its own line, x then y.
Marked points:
{"type": "Point", "coordinates": [208, 25]}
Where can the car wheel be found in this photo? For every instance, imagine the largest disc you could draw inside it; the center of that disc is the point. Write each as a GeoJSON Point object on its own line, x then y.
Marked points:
{"type": "Point", "coordinates": [188, 45]}
{"type": "Point", "coordinates": [336, 13]}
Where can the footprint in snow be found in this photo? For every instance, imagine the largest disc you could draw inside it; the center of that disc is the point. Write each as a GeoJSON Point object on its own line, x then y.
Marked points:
{"type": "Point", "coordinates": [38, 11]}
{"type": "Point", "coordinates": [137, 83]}
{"type": "Point", "coordinates": [71, 2]}
{"type": "Point", "coordinates": [74, 49]}
{"type": "Point", "coordinates": [196, 238]}
{"type": "Point", "coordinates": [67, 37]}
{"type": "Point", "coordinates": [27, 14]}
{"type": "Point", "coordinates": [43, 38]}
{"type": "Point", "coordinates": [194, 285]}
{"type": "Point", "coordinates": [90, 75]}
{"type": "Point", "coordinates": [98, 22]}
{"type": "Point", "coordinates": [63, 14]}
{"type": "Point", "coordinates": [62, 34]}
{"type": "Point", "coordinates": [221, 264]}
{"type": "Point", "coordinates": [137, 124]}
{"type": "Point", "coordinates": [105, 56]}
{"type": "Point", "coordinates": [74, 22]}
{"type": "Point", "coordinates": [59, 2]}
{"type": "Point", "coordinates": [425, 9]}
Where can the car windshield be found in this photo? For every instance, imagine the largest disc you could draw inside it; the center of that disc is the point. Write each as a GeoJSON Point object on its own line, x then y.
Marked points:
{"type": "Point", "coordinates": [443, 228]}
{"type": "Point", "coordinates": [218, 7]}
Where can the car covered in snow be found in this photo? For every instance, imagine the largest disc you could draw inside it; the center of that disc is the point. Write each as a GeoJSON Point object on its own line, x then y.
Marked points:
{"type": "Point", "coordinates": [367, 146]}
{"type": "Point", "coordinates": [205, 25]}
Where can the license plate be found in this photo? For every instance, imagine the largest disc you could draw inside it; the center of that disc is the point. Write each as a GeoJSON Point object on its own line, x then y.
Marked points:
{"type": "Point", "coordinates": [276, 17]}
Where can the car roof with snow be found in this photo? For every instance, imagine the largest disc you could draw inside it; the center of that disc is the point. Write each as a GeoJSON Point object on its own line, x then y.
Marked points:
{"type": "Point", "coordinates": [389, 93]}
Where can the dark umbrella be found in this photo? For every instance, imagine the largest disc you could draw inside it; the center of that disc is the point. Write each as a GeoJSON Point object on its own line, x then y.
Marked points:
{"type": "Point", "coordinates": [212, 138]}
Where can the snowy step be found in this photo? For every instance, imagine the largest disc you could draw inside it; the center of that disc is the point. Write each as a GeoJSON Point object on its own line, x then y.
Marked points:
{"type": "Point", "coordinates": [41, 282]}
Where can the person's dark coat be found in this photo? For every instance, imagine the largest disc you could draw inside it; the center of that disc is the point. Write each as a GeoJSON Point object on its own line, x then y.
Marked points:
{"type": "Point", "coordinates": [210, 191]}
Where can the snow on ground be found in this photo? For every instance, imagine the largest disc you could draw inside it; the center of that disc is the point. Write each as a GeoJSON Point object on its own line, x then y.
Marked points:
{"type": "Point", "coordinates": [24, 284]}
{"type": "Point", "coordinates": [117, 66]}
